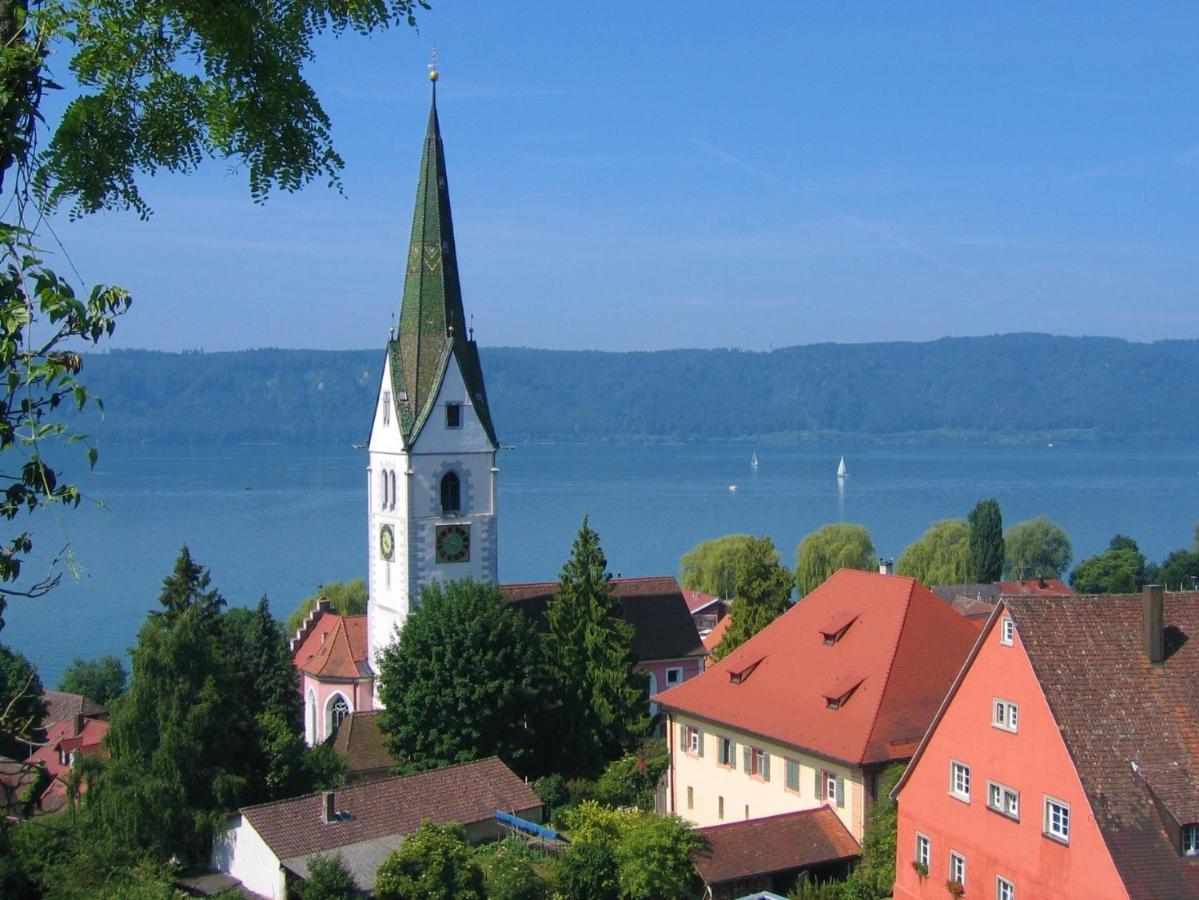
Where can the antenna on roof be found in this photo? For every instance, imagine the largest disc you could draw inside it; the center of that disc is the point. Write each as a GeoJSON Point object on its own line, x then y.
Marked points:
{"type": "Point", "coordinates": [470, 332]}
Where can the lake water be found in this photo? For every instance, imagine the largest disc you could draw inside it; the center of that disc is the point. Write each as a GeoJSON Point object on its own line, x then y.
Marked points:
{"type": "Point", "coordinates": [282, 520]}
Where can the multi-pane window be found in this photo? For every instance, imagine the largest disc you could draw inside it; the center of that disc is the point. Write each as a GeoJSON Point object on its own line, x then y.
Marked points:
{"type": "Point", "coordinates": [1007, 631]}
{"type": "Point", "coordinates": [726, 756]}
{"type": "Point", "coordinates": [1004, 889]}
{"type": "Point", "coordinates": [338, 712]}
{"type": "Point", "coordinates": [759, 763]}
{"type": "Point", "coordinates": [793, 775]}
{"type": "Point", "coordinates": [674, 675]}
{"type": "Point", "coordinates": [957, 868]}
{"type": "Point", "coordinates": [693, 740]}
{"type": "Point", "coordinates": [1003, 715]}
{"type": "Point", "coordinates": [924, 850]}
{"type": "Point", "coordinates": [453, 415]}
{"type": "Point", "coordinates": [1003, 800]}
{"type": "Point", "coordinates": [830, 787]}
{"type": "Point", "coordinates": [959, 780]}
{"type": "Point", "coordinates": [1190, 840]}
{"type": "Point", "coordinates": [1057, 819]}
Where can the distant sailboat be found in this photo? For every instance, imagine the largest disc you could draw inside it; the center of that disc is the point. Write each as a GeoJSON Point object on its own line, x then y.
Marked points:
{"type": "Point", "coordinates": [753, 461]}
{"type": "Point", "coordinates": [733, 487]}
{"type": "Point", "coordinates": [842, 472]}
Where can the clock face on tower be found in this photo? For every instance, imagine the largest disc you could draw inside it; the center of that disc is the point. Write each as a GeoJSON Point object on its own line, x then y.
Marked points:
{"type": "Point", "coordinates": [387, 543]}
{"type": "Point", "coordinates": [453, 543]}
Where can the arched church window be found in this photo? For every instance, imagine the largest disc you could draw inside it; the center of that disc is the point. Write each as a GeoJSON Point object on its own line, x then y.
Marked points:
{"type": "Point", "coordinates": [393, 489]}
{"type": "Point", "coordinates": [451, 493]}
{"type": "Point", "coordinates": [383, 490]}
{"type": "Point", "coordinates": [338, 711]}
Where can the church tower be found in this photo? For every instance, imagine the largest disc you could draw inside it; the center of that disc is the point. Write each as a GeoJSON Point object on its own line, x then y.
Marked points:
{"type": "Point", "coordinates": [431, 483]}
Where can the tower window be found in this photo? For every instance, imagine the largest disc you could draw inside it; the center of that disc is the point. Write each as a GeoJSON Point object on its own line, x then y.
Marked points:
{"type": "Point", "coordinates": [392, 500]}
{"type": "Point", "coordinates": [453, 415]}
{"type": "Point", "coordinates": [451, 493]}
{"type": "Point", "coordinates": [387, 407]}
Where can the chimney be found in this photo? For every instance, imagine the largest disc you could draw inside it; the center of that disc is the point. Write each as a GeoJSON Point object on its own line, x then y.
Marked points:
{"type": "Point", "coordinates": [1154, 644]}
{"type": "Point", "coordinates": [886, 566]}
{"type": "Point", "coordinates": [329, 808]}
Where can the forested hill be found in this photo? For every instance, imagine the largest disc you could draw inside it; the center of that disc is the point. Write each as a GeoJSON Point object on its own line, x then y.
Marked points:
{"type": "Point", "coordinates": [1018, 386]}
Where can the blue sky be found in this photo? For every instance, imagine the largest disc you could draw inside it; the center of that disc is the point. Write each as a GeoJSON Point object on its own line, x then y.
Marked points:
{"type": "Point", "coordinates": [754, 175]}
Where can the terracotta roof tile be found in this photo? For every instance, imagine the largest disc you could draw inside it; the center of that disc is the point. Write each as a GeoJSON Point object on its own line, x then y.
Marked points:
{"type": "Point", "coordinates": [1034, 588]}
{"type": "Point", "coordinates": [465, 793]}
{"type": "Point", "coordinates": [61, 705]}
{"type": "Point", "coordinates": [905, 644]}
{"type": "Point", "coordinates": [360, 743]}
{"type": "Point", "coordinates": [662, 625]}
{"type": "Point", "coordinates": [697, 600]}
{"type": "Point", "coordinates": [334, 646]}
{"type": "Point", "coordinates": [741, 850]}
{"type": "Point", "coordinates": [1116, 710]}
{"type": "Point", "coordinates": [716, 635]}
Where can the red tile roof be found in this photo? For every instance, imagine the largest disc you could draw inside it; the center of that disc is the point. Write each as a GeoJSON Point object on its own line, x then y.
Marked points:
{"type": "Point", "coordinates": [60, 705]}
{"type": "Point", "coordinates": [662, 626]}
{"type": "Point", "coordinates": [904, 644]}
{"type": "Point", "coordinates": [333, 646]}
{"type": "Point", "coordinates": [697, 600]}
{"type": "Point", "coordinates": [716, 635]}
{"type": "Point", "coordinates": [1034, 588]}
{"type": "Point", "coordinates": [465, 793]}
{"type": "Point", "coordinates": [1132, 728]}
{"type": "Point", "coordinates": [362, 745]}
{"type": "Point", "coordinates": [758, 847]}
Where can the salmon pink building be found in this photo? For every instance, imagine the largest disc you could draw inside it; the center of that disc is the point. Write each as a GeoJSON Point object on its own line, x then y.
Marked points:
{"type": "Point", "coordinates": [1065, 759]}
{"type": "Point", "coordinates": [330, 654]}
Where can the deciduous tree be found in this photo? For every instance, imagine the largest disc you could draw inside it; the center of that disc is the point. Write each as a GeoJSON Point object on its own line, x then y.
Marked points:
{"type": "Point", "coordinates": [833, 547]}
{"type": "Point", "coordinates": [601, 704]}
{"type": "Point", "coordinates": [433, 863]}
{"type": "Point", "coordinates": [101, 680]}
{"type": "Point", "coordinates": [345, 597]}
{"type": "Point", "coordinates": [1037, 548]}
{"type": "Point", "coordinates": [711, 567]}
{"type": "Point", "coordinates": [762, 591]}
{"type": "Point", "coordinates": [941, 556]}
{"type": "Point", "coordinates": [22, 705]}
{"type": "Point", "coordinates": [986, 541]}
{"type": "Point", "coordinates": [1118, 570]}
{"type": "Point", "coordinates": [463, 682]}
{"type": "Point", "coordinates": [328, 879]}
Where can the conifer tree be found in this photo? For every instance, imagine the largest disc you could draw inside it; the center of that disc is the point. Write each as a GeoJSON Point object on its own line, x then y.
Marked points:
{"type": "Point", "coordinates": [602, 706]}
{"type": "Point", "coordinates": [986, 541]}
{"type": "Point", "coordinates": [762, 590]}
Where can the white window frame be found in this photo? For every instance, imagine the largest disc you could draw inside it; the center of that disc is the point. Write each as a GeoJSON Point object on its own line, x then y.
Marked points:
{"type": "Point", "coordinates": [1003, 800]}
{"type": "Point", "coordinates": [1004, 714]}
{"type": "Point", "coordinates": [694, 737]}
{"type": "Point", "coordinates": [1190, 840]}
{"type": "Point", "coordinates": [957, 867]}
{"type": "Point", "coordinates": [1056, 831]}
{"type": "Point", "coordinates": [959, 774]}
{"type": "Point", "coordinates": [1007, 632]}
{"type": "Point", "coordinates": [924, 849]}
{"type": "Point", "coordinates": [1004, 889]}
{"type": "Point", "coordinates": [674, 675]}
{"type": "Point", "coordinates": [758, 766]}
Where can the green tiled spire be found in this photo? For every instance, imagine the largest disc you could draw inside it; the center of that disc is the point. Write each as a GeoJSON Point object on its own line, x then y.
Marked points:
{"type": "Point", "coordinates": [432, 323]}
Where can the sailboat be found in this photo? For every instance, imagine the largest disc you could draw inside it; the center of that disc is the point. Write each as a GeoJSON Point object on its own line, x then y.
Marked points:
{"type": "Point", "coordinates": [753, 460]}
{"type": "Point", "coordinates": [842, 472]}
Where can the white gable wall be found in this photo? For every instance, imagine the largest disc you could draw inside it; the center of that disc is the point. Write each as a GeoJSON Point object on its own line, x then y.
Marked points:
{"type": "Point", "coordinates": [241, 851]}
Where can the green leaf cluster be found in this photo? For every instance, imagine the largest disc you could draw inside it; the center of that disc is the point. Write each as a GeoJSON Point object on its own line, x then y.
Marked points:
{"type": "Point", "coordinates": [22, 704]}
{"type": "Point", "coordinates": [1037, 548]}
{"type": "Point", "coordinates": [348, 598]}
{"type": "Point", "coordinates": [941, 556]}
{"type": "Point", "coordinates": [328, 879]}
{"type": "Point", "coordinates": [1118, 570]}
{"type": "Point", "coordinates": [433, 863]}
{"type": "Point", "coordinates": [761, 593]}
{"type": "Point", "coordinates": [101, 680]}
{"type": "Point", "coordinates": [711, 567]}
{"type": "Point", "coordinates": [463, 682]}
{"type": "Point", "coordinates": [833, 547]}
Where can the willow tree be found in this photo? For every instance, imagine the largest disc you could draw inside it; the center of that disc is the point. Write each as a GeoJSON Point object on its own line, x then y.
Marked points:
{"type": "Point", "coordinates": [941, 556]}
{"type": "Point", "coordinates": [1038, 548]}
{"type": "Point", "coordinates": [833, 547]}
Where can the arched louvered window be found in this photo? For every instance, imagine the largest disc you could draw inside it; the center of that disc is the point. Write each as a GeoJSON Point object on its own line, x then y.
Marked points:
{"type": "Point", "coordinates": [338, 711]}
{"type": "Point", "coordinates": [451, 493]}
{"type": "Point", "coordinates": [393, 490]}
{"type": "Point", "coordinates": [383, 489]}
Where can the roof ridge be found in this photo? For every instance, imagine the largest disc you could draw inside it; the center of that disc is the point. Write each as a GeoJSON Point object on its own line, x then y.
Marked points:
{"type": "Point", "coordinates": [790, 814]}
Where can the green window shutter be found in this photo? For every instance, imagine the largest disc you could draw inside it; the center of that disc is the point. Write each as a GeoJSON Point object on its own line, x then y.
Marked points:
{"type": "Point", "coordinates": [819, 794]}
{"type": "Point", "coordinates": [701, 742]}
{"type": "Point", "coordinates": [765, 766]}
{"type": "Point", "coordinates": [745, 759]}
{"type": "Point", "coordinates": [683, 737]}
{"type": "Point", "coordinates": [840, 793]}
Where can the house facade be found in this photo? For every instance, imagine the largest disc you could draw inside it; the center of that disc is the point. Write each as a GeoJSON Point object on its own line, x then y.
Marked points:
{"type": "Point", "coordinates": [809, 711]}
{"type": "Point", "coordinates": [1062, 761]}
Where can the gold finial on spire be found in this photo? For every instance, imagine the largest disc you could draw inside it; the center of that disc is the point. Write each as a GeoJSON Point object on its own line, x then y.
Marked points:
{"type": "Point", "coordinates": [433, 76]}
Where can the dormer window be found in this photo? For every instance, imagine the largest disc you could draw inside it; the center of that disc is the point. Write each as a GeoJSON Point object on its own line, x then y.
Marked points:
{"type": "Point", "coordinates": [451, 494]}
{"type": "Point", "coordinates": [739, 676]}
{"type": "Point", "coordinates": [1007, 631]}
{"type": "Point", "coordinates": [836, 629]}
{"type": "Point", "coordinates": [453, 415]}
{"type": "Point", "coordinates": [1190, 840]}
{"type": "Point", "coordinates": [838, 695]}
